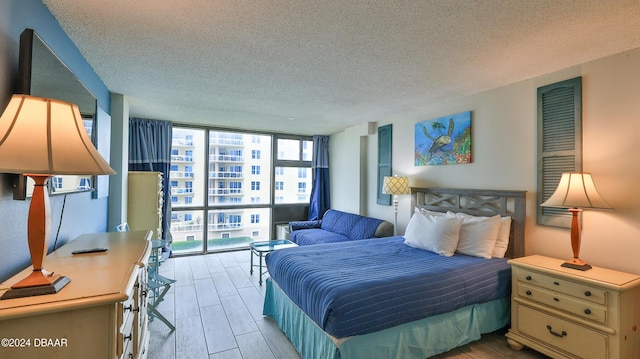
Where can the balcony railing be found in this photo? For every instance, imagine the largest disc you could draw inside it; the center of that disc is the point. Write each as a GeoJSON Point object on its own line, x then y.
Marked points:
{"type": "Point", "coordinates": [225, 158]}
{"type": "Point", "coordinates": [180, 158]}
{"type": "Point", "coordinates": [181, 142]}
{"type": "Point", "coordinates": [181, 190]}
{"type": "Point", "coordinates": [180, 227]}
{"type": "Point", "coordinates": [216, 141]}
{"type": "Point", "coordinates": [225, 191]}
{"type": "Point", "coordinates": [176, 174]}
{"type": "Point", "coordinates": [225, 174]}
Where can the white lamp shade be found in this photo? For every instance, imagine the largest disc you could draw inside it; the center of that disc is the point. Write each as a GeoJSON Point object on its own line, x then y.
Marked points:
{"type": "Point", "coordinates": [46, 136]}
{"type": "Point", "coordinates": [396, 185]}
{"type": "Point", "coordinates": [576, 190]}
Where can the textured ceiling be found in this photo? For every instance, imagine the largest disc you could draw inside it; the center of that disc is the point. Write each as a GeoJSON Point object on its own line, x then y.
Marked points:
{"type": "Point", "coordinates": [317, 67]}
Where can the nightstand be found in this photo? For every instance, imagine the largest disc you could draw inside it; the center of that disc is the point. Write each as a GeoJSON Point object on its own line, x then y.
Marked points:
{"type": "Point", "coordinates": [567, 313]}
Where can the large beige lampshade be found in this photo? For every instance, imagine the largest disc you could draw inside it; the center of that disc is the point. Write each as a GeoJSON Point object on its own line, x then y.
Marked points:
{"type": "Point", "coordinates": [576, 190]}
{"type": "Point", "coordinates": [46, 136]}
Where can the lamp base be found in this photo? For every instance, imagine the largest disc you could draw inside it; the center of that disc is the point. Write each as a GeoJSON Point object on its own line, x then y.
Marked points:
{"type": "Point", "coordinates": [576, 263]}
{"type": "Point", "coordinates": [57, 283]}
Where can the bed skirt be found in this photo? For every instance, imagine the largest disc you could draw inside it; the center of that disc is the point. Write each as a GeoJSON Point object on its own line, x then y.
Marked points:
{"type": "Point", "coordinates": [419, 339]}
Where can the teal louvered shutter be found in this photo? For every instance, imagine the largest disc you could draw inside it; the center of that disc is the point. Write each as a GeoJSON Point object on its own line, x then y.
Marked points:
{"type": "Point", "coordinates": [384, 161]}
{"type": "Point", "coordinates": [559, 143]}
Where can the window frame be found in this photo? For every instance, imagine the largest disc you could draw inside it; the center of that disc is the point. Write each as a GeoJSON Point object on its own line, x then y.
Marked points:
{"type": "Point", "coordinates": [270, 205]}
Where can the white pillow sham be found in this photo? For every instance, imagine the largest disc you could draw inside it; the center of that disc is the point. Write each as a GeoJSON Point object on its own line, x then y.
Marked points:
{"type": "Point", "coordinates": [478, 235]}
{"type": "Point", "coordinates": [502, 238]}
{"type": "Point", "coordinates": [438, 234]}
{"type": "Point", "coordinates": [427, 212]}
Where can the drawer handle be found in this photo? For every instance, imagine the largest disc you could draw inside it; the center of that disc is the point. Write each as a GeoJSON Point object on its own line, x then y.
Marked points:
{"type": "Point", "coordinates": [528, 277]}
{"type": "Point", "coordinates": [560, 335]}
{"type": "Point", "coordinates": [587, 294]}
{"type": "Point", "coordinates": [130, 336]}
{"type": "Point", "coordinates": [556, 283]}
{"type": "Point", "coordinates": [556, 299]}
{"type": "Point", "coordinates": [528, 292]}
{"type": "Point", "coordinates": [587, 311]}
{"type": "Point", "coordinates": [129, 307]}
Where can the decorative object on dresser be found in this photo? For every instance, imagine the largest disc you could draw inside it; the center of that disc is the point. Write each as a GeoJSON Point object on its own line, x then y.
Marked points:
{"type": "Point", "coordinates": [576, 191]}
{"type": "Point", "coordinates": [40, 137]}
{"type": "Point", "coordinates": [144, 202]}
{"type": "Point", "coordinates": [395, 185]}
{"type": "Point", "coordinates": [101, 314]}
{"type": "Point", "coordinates": [565, 313]}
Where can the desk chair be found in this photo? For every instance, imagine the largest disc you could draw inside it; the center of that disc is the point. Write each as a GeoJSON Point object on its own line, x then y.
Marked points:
{"type": "Point", "coordinates": [158, 284]}
{"type": "Point", "coordinates": [123, 227]}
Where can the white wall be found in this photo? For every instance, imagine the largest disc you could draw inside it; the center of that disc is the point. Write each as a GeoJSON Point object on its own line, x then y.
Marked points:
{"type": "Point", "coordinates": [504, 157]}
{"type": "Point", "coordinates": [349, 168]}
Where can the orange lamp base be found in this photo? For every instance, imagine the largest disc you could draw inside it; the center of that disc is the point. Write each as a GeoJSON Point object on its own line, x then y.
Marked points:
{"type": "Point", "coordinates": [40, 281]}
{"type": "Point", "coordinates": [37, 283]}
{"type": "Point", "coordinates": [576, 263]}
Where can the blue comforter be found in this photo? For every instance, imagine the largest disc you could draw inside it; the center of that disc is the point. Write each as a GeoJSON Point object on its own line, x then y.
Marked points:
{"type": "Point", "coordinates": [359, 287]}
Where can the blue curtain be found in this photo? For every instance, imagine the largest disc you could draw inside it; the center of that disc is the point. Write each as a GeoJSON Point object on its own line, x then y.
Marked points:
{"type": "Point", "coordinates": [320, 167]}
{"type": "Point", "coordinates": [150, 150]}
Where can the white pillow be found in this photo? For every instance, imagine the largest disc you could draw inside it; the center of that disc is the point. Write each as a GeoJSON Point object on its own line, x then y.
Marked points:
{"type": "Point", "coordinates": [503, 238]}
{"type": "Point", "coordinates": [427, 212]}
{"type": "Point", "coordinates": [478, 235]}
{"type": "Point", "coordinates": [438, 234]}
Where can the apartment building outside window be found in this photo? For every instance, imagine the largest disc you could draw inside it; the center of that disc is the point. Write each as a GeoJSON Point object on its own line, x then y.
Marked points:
{"type": "Point", "coordinates": [222, 186]}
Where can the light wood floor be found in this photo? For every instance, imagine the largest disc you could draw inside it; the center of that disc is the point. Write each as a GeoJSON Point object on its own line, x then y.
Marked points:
{"type": "Point", "coordinates": [216, 306]}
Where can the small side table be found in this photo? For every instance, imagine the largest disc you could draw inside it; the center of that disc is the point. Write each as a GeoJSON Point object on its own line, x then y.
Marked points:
{"type": "Point", "coordinates": [262, 248]}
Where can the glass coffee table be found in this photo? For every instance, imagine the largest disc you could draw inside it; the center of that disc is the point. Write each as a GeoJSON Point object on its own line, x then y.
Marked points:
{"type": "Point", "coordinates": [262, 248]}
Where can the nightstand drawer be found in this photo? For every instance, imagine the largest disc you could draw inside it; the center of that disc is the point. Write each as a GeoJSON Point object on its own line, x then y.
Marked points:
{"type": "Point", "coordinates": [560, 285]}
{"type": "Point", "coordinates": [575, 339]}
{"type": "Point", "coordinates": [570, 304]}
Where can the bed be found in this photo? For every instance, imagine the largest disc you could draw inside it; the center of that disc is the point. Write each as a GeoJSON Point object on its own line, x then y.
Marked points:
{"type": "Point", "coordinates": [368, 298]}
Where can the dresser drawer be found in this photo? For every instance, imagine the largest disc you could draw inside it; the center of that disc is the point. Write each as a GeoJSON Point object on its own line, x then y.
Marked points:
{"type": "Point", "coordinates": [563, 286]}
{"type": "Point", "coordinates": [564, 335]}
{"type": "Point", "coordinates": [582, 308]}
{"type": "Point", "coordinates": [125, 321]}
{"type": "Point", "coordinates": [125, 335]}
{"type": "Point", "coordinates": [128, 351]}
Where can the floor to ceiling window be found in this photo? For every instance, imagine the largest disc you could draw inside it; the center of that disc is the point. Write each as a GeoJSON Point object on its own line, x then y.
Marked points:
{"type": "Point", "coordinates": [224, 185]}
{"type": "Point", "coordinates": [293, 170]}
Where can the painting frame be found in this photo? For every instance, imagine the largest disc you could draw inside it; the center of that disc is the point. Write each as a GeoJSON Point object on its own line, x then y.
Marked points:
{"type": "Point", "coordinates": [444, 140]}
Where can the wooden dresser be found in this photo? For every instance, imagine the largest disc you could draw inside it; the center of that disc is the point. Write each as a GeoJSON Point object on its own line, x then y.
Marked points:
{"type": "Point", "coordinates": [102, 313]}
{"type": "Point", "coordinates": [567, 313]}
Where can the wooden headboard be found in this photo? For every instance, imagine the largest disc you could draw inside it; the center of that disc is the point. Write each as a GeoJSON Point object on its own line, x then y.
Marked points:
{"type": "Point", "coordinates": [478, 202]}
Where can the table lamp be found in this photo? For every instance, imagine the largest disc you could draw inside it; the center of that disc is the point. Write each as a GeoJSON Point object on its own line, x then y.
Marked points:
{"type": "Point", "coordinates": [576, 191]}
{"type": "Point", "coordinates": [39, 138]}
{"type": "Point", "coordinates": [395, 185]}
